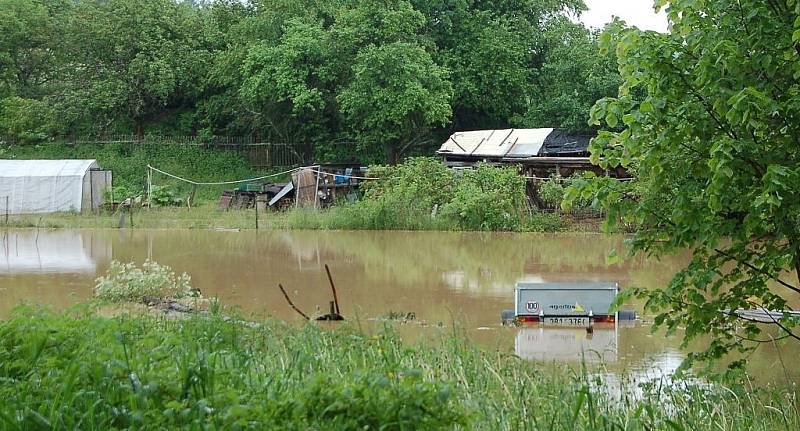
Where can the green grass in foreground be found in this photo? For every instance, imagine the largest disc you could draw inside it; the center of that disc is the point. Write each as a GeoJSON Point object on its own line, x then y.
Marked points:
{"type": "Point", "coordinates": [208, 217]}
{"type": "Point", "coordinates": [81, 371]}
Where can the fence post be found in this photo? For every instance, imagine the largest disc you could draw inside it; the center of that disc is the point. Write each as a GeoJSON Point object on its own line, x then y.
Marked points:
{"type": "Point", "coordinates": [316, 188]}
{"type": "Point", "coordinates": [149, 187]}
{"type": "Point", "coordinates": [6, 211]}
{"type": "Point", "coordinates": [256, 206]}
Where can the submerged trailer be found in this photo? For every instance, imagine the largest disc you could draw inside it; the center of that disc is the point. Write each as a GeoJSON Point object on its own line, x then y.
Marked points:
{"type": "Point", "coordinates": [566, 304]}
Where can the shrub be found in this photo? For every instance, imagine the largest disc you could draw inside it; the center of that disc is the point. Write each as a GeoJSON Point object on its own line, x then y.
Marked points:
{"type": "Point", "coordinates": [127, 282]}
{"type": "Point", "coordinates": [117, 193]}
{"type": "Point", "coordinates": [163, 196]}
{"type": "Point", "coordinates": [552, 193]}
{"type": "Point", "coordinates": [487, 198]}
{"type": "Point", "coordinates": [543, 222]}
{"type": "Point", "coordinates": [420, 182]}
{"type": "Point", "coordinates": [404, 196]}
{"type": "Point", "coordinates": [25, 119]}
{"type": "Point", "coordinates": [409, 196]}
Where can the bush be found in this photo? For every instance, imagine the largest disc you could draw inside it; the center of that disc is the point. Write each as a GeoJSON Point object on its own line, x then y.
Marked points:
{"type": "Point", "coordinates": [487, 198]}
{"type": "Point", "coordinates": [422, 194]}
{"type": "Point", "coordinates": [164, 196]}
{"type": "Point", "coordinates": [405, 195]}
{"type": "Point", "coordinates": [27, 120]}
{"type": "Point", "coordinates": [553, 191]}
{"type": "Point", "coordinates": [127, 282]}
{"type": "Point", "coordinates": [117, 194]}
{"type": "Point", "coordinates": [543, 222]}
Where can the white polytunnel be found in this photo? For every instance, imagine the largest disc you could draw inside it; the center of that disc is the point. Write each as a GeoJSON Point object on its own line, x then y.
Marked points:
{"type": "Point", "coordinates": [46, 186]}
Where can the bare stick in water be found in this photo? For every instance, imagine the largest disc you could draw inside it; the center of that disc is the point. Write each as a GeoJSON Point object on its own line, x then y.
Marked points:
{"type": "Point", "coordinates": [285, 295]}
{"type": "Point", "coordinates": [333, 288]}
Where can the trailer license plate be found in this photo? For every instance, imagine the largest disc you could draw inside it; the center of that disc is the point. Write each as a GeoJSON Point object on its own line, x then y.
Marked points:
{"type": "Point", "coordinates": [567, 321]}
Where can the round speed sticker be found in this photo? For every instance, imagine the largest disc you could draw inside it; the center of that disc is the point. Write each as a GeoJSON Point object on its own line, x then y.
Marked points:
{"type": "Point", "coordinates": [532, 306]}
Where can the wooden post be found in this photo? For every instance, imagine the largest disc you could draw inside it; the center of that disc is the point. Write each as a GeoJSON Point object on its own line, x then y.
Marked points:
{"type": "Point", "coordinates": [149, 187]}
{"type": "Point", "coordinates": [316, 189]}
{"type": "Point", "coordinates": [191, 196]}
{"type": "Point", "coordinates": [256, 206]}
{"type": "Point", "coordinates": [6, 211]}
{"type": "Point", "coordinates": [333, 288]}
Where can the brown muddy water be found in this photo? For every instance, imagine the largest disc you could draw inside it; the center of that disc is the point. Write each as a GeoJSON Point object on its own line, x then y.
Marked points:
{"type": "Point", "coordinates": [449, 281]}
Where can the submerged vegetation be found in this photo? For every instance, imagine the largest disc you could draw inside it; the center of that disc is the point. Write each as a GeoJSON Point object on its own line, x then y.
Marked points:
{"type": "Point", "coordinates": [78, 370]}
{"type": "Point", "coordinates": [127, 282]}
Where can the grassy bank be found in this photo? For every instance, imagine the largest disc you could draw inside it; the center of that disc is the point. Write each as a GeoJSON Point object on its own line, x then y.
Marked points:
{"type": "Point", "coordinates": [336, 218]}
{"type": "Point", "coordinates": [78, 370]}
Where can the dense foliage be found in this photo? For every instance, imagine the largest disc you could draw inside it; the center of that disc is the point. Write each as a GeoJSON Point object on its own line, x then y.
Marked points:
{"type": "Point", "coordinates": [81, 371]}
{"type": "Point", "coordinates": [128, 282]}
{"type": "Point", "coordinates": [422, 194]}
{"type": "Point", "coordinates": [344, 78]}
{"type": "Point", "coordinates": [707, 117]}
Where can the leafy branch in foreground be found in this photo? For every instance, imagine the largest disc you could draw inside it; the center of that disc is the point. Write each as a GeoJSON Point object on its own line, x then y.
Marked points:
{"type": "Point", "coordinates": [707, 117]}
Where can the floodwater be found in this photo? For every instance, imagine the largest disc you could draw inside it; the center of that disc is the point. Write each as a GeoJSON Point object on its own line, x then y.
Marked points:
{"type": "Point", "coordinates": [449, 281]}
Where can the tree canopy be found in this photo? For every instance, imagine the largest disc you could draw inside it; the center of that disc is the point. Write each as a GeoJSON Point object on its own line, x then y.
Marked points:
{"type": "Point", "coordinates": [708, 117]}
{"type": "Point", "coordinates": [371, 78]}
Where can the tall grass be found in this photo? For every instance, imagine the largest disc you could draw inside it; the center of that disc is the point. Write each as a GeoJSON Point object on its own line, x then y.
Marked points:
{"type": "Point", "coordinates": [340, 217]}
{"type": "Point", "coordinates": [81, 371]}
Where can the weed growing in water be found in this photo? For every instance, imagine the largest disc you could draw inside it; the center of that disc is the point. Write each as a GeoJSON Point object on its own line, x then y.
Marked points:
{"type": "Point", "coordinates": [127, 282]}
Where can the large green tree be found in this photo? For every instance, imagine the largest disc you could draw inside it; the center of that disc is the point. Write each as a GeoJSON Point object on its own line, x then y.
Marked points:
{"type": "Point", "coordinates": [132, 59]}
{"type": "Point", "coordinates": [708, 118]}
{"type": "Point", "coordinates": [289, 70]}
{"type": "Point", "coordinates": [572, 78]}
{"type": "Point", "coordinates": [27, 32]}
{"type": "Point", "coordinates": [396, 96]}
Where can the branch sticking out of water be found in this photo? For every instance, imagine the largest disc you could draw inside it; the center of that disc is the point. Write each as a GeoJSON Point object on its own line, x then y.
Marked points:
{"type": "Point", "coordinates": [285, 295]}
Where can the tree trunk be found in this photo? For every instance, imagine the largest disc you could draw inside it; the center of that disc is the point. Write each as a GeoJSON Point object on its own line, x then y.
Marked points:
{"type": "Point", "coordinates": [392, 153]}
{"type": "Point", "coordinates": [797, 262]}
{"type": "Point", "coordinates": [138, 128]}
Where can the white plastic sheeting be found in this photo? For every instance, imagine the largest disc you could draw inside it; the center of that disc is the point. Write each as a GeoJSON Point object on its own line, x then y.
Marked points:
{"type": "Point", "coordinates": [43, 186]}
{"type": "Point", "coordinates": [496, 143]}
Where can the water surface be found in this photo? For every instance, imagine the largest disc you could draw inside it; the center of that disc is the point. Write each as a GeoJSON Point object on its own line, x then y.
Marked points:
{"type": "Point", "coordinates": [449, 281]}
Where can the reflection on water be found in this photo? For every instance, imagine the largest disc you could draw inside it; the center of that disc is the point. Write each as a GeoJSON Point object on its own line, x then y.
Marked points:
{"type": "Point", "coordinates": [568, 344]}
{"type": "Point", "coordinates": [450, 278]}
{"type": "Point", "coordinates": [34, 251]}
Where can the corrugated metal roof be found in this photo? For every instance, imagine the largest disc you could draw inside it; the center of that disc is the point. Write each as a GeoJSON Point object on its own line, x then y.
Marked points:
{"type": "Point", "coordinates": [496, 143]}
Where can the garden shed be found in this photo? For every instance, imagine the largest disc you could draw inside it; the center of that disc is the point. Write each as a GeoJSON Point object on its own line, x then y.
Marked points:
{"type": "Point", "coordinates": [540, 152]}
{"type": "Point", "coordinates": [46, 186]}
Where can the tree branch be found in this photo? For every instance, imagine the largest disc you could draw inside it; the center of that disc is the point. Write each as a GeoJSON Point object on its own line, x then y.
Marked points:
{"type": "Point", "coordinates": [757, 269]}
